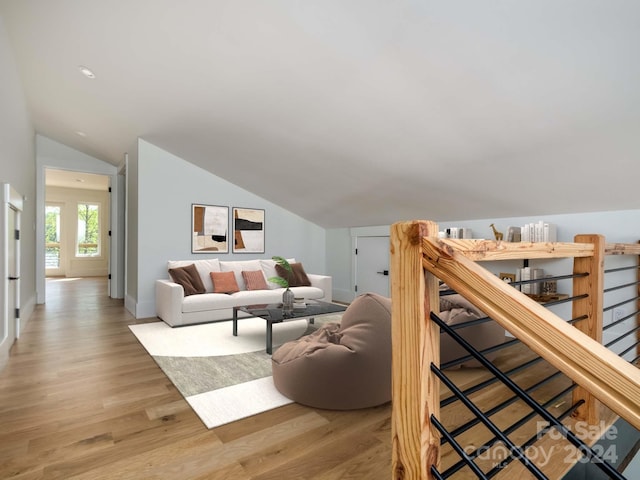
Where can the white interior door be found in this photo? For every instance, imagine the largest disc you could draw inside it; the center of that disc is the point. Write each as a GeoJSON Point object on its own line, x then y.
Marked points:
{"type": "Point", "coordinates": [372, 265]}
{"type": "Point", "coordinates": [13, 265]}
{"type": "Point", "coordinates": [10, 268]}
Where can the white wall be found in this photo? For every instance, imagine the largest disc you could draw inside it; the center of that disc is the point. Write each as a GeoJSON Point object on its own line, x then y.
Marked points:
{"type": "Point", "coordinates": [131, 293]}
{"type": "Point", "coordinates": [339, 258]}
{"type": "Point", "coordinates": [17, 167]}
{"type": "Point", "coordinates": [341, 244]}
{"type": "Point", "coordinates": [617, 226]}
{"type": "Point", "coordinates": [167, 187]}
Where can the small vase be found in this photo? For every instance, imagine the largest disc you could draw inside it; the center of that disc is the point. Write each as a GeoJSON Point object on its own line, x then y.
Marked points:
{"type": "Point", "coordinates": [287, 301]}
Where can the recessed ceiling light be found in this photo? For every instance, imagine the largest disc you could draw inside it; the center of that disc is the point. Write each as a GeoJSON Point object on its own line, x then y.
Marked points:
{"type": "Point", "coordinates": [86, 71]}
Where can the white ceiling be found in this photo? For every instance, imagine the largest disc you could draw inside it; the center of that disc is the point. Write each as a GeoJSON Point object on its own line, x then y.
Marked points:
{"type": "Point", "coordinates": [84, 181]}
{"type": "Point", "coordinates": [353, 112]}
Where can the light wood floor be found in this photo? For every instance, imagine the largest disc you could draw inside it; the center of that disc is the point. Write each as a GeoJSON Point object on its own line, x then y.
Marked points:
{"type": "Point", "coordinates": [81, 398]}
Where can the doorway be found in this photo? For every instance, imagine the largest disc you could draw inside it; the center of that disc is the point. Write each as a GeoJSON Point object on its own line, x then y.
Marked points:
{"type": "Point", "coordinates": [54, 259]}
{"type": "Point", "coordinates": [13, 267]}
{"type": "Point", "coordinates": [372, 265]}
{"type": "Point", "coordinates": [10, 282]}
{"type": "Point", "coordinates": [77, 224]}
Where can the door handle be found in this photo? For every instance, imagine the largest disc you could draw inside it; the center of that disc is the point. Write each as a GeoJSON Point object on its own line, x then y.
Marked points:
{"type": "Point", "coordinates": [384, 272]}
{"type": "Point", "coordinates": [14, 278]}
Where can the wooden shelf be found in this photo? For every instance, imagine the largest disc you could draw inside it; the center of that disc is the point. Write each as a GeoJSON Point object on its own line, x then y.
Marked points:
{"type": "Point", "coordinates": [551, 297]}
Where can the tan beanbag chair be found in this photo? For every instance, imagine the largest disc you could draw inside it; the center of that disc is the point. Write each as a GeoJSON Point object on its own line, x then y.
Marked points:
{"type": "Point", "coordinates": [455, 309]}
{"type": "Point", "coordinates": [340, 366]}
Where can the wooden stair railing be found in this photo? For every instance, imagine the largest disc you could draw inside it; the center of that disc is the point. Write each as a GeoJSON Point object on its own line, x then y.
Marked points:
{"type": "Point", "coordinates": [415, 345]}
{"type": "Point", "coordinates": [419, 259]}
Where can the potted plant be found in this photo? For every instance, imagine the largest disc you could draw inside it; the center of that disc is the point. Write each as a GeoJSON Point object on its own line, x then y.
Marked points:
{"type": "Point", "coordinates": [287, 296]}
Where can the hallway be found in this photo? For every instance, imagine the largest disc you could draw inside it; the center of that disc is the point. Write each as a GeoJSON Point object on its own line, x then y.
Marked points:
{"type": "Point", "coordinates": [78, 384]}
{"type": "Point", "coordinates": [81, 399]}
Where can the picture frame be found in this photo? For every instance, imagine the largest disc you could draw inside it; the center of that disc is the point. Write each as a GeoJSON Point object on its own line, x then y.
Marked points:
{"type": "Point", "coordinates": [507, 277]}
{"type": "Point", "coordinates": [209, 228]}
{"type": "Point", "coordinates": [248, 230]}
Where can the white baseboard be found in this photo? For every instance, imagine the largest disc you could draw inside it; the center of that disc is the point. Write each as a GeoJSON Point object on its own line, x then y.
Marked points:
{"type": "Point", "coordinates": [140, 310]}
{"type": "Point", "coordinates": [26, 311]}
{"type": "Point", "coordinates": [146, 310]}
{"type": "Point", "coordinates": [130, 304]}
{"type": "Point", "coordinates": [4, 353]}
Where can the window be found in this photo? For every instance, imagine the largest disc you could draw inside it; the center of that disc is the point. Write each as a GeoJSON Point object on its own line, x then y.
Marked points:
{"type": "Point", "coordinates": [88, 244]}
{"type": "Point", "coordinates": [52, 236]}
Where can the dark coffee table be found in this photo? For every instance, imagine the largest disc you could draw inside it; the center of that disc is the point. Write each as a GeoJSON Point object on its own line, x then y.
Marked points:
{"type": "Point", "coordinates": [273, 313]}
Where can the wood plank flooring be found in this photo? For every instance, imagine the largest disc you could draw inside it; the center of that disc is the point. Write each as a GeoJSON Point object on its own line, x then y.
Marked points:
{"type": "Point", "coordinates": [81, 399]}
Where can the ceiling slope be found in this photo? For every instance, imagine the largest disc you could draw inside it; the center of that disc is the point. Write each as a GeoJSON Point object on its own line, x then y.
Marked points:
{"type": "Point", "coordinates": [373, 111]}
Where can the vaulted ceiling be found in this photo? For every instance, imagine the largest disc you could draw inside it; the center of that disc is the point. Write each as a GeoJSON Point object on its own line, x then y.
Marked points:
{"type": "Point", "coordinates": [352, 113]}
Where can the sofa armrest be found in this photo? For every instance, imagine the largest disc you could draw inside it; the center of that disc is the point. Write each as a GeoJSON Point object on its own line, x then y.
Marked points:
{"type": "Point", "coordinates": [169, 298]}
{"type": "Point", "coordinates": [324, 282]}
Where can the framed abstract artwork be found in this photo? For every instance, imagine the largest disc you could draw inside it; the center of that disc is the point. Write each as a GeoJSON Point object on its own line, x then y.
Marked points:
{"type": "Point", "coordinates": [248, 230]}
{"type": "Point", "coordinates": [209, 229]}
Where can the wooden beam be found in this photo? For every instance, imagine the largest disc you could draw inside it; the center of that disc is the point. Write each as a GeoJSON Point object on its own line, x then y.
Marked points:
{"type": "Point", "coordinates": [592, 307]}
{"type": "Point", "coordinates": [484, 250]}
{"type": "Point", "coordinates": [638, 304]}
{"type": "Point", "coordinates": [608, 377]}
{"type": "Point", "coordinates": [622, 249]}
{"type": "Point", "coordinates": [415, 344]}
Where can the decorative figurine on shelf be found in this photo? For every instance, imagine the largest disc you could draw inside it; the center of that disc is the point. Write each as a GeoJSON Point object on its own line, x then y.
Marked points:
{"type": "Point", "coordinates": [496, 233]}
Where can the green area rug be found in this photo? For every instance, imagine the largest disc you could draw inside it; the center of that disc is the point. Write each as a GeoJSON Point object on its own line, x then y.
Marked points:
{"type": "Point", "coordinates": [224, 378]}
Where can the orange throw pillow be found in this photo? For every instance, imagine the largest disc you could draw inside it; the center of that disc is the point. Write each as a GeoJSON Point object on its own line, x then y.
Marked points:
{"type": "Point", "coordinates": [254, 280]}
{"type": "Point", "coordinates": [224, 282]}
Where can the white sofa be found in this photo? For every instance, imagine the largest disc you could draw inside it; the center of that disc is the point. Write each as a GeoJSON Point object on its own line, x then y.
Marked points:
{"type": "Point", "coordinates": [176, 309]}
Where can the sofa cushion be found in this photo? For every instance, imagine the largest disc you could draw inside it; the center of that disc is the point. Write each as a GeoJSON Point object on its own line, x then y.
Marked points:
{"type": "Point", "coordinates": [306, 292]}
{"type": "Point", "coordinates": [269, 269]}
{"type": "Point", "coordinates": [204, 267]}
{"type": "Point", "coordinates": [296, 278]}
{"type": "Point", "coordinates": [189, 278]}
{"type": "Point", "coordinates": [237, 267]}
{"type": "Point", "coordinates": [256, 297]}
{"type": "Point", "coordinates": [224, 282]}
{"type": "Point", "coordinates": [454, 310]}
{"type": "Point", "coordinates": [254, 280]}
{"type": "Point", "coordinates": [208, 302]}
{"type": "Point", "coordinates": [218, 301]}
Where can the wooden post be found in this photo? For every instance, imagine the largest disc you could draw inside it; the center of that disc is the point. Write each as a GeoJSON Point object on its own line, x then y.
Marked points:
{"type": "Point", "coordinates": [638, 306]}
{"type": "Point", "coordinates": [592, 307]}
{"type": "Point", "coordinates": [415, 344]}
